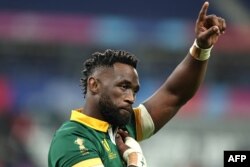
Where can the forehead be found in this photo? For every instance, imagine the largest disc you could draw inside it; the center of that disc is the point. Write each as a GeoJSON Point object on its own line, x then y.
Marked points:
{"type": "Point", "coordinates": [118, 73]}
{"type": "Point", "coordinates": [124, 71]}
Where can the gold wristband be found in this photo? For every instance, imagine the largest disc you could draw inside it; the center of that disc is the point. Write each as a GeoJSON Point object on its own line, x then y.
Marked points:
{"type": "Point", "coordinates": [198, 53]}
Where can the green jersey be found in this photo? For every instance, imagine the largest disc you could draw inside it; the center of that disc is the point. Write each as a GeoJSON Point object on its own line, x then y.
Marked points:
{"type": "Point", "coordinates": [86, 141]}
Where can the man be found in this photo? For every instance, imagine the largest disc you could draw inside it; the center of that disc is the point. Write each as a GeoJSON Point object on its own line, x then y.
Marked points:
{"type": "Point", "coordinates": [110, 83]}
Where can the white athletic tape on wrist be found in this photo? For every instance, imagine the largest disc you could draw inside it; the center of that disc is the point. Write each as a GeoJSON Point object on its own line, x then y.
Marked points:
{"type": "Point", "coordinates": [134, 158]}
{"type": "Point", "coordinates": [126, 153]}
{"type": "Point", "coordinates": [133, 155]}
{"type": "Point", "coordinates": [202, 55]}
{"type": "Point", "coordinates": [132, 143]}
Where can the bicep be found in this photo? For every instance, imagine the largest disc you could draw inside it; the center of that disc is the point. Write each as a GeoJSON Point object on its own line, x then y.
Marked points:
{"type": "Point", "coordinates": [162, 106]}
{"type": "Point", "coordinates": [179, 87]}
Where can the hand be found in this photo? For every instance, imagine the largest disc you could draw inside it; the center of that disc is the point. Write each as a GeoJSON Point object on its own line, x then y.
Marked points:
{"type": "Point", "coordinates": [120, 137]}
{"type": "Point", "coordinates": [130, 150]}
{"type": "Point", "coordinates": [208, 28]}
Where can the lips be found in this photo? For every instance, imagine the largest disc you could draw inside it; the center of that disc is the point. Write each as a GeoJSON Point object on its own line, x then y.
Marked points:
{"type": "Point", "coordinates": [124, 111]}
{"type": "Point", "coordinates": [128, 109]}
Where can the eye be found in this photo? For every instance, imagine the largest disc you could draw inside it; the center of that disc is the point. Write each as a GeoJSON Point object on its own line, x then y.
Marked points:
{"type": "Point", "coordinates": [124, 86]}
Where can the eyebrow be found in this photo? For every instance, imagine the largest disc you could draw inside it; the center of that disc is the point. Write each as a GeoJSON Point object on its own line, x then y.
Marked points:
{"type": "Point", "coordinates": [136, 88]}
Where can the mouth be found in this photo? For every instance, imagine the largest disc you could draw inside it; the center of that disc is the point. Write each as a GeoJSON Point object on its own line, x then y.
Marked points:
{"type": "Point", "coordinates": [125, 111]}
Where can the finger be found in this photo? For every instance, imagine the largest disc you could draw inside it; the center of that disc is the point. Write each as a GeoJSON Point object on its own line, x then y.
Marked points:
{"type": "Point", "coordinates": [123, 133]}
{"type": "Point", "coordinates": [118, 139]}
{"type": "Point", "coordinates": [211, 20]}
{"type": "Point", "coordinates": [120, 144]}
{"type": "Point", "coordinates": [222, 25]}
{"type": "Point", "coordinates": [203, 11]}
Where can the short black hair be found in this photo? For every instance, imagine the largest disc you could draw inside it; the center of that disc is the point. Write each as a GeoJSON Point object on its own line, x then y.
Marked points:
{"type": "Point", "coordinates": [105, 59]}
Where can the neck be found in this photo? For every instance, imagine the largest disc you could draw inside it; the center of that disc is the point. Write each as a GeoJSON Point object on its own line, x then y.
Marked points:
{"type": "Point", "coordinates": [90, 108]}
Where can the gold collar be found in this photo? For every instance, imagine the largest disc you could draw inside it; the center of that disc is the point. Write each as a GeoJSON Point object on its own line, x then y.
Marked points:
{"type": "Point", "coordinates": [78, 116]}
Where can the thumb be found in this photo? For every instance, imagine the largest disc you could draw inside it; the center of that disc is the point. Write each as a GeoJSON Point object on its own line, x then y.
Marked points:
{"type": "Point", "coordinates": [214, 30]}
{"type": "Point", "coordinates": [209, 37]}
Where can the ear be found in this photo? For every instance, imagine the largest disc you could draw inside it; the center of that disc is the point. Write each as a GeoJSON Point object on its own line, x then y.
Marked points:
{"type": "Point", "coordinates": [93, 85]}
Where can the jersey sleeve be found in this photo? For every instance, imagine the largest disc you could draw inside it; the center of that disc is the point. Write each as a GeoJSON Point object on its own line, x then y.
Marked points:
{"type": "Point", "coordinates": [144, 123]}
{"type": "Point", "coordinates": [74, 151]}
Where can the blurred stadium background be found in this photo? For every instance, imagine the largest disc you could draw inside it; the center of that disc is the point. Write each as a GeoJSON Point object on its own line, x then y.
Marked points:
{"type": "Point", "coordinates": [43, 45]}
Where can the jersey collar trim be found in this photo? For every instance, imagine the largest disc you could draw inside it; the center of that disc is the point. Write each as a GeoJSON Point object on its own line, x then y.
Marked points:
{"type": "Point", "coordinates": [94, 123]}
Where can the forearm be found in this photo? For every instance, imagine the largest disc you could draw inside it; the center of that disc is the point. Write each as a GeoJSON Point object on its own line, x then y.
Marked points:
{"type": "Point", "coordinates": [180, 86]}
{"type": "Point", "coordinates": [186, 79]}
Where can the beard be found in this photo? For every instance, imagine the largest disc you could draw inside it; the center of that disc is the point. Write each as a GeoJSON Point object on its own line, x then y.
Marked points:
{"type": "Point", "coordinates": [111, 113]}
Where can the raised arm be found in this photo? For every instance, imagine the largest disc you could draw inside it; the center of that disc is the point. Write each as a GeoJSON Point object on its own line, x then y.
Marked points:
{"type": "Point", "coordinates": [184, 81]}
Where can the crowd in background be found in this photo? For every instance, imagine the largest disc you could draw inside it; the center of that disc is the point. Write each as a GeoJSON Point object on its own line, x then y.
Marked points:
{"type": "Point", "coordinates": [41, 55]}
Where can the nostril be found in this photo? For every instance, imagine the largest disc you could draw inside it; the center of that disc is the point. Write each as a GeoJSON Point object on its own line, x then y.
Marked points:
{"type": "Point", "coordinates": [130, 101]}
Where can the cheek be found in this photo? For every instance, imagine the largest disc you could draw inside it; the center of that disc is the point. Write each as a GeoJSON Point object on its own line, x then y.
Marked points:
{"type": "Point", "coordinates": [116, 95]}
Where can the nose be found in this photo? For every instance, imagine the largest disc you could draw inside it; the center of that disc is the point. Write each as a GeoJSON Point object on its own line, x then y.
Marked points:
{"type": "Point", "coordinates": [130, 97]}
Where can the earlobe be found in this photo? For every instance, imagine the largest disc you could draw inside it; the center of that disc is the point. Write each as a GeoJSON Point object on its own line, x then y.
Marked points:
{"type": "Point", "coordinates": [93, 85]}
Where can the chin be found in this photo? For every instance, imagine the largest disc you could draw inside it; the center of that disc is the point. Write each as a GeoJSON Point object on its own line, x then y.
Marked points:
{"type": "Point", "coordinates": [124, 119]}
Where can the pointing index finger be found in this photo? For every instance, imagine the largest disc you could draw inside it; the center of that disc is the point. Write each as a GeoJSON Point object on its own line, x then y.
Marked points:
{"type": "Point", "coordinates": [203, 11]}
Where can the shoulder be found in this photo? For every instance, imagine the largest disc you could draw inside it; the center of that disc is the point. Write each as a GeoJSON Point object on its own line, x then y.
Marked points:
{"type": "Point", "coordinates": [69, 132]}
{"type": "Point", "coordinates": [71, 143]}
{"type": "Point", "coordinates": [143, 122]}
{"type": "Point", "coordinates": [67, 128]}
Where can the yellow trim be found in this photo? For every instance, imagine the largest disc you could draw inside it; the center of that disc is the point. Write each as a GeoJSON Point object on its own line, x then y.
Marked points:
{"type": "Point", "coordinates": [138, 121]}
{"type": "Point", "coordinates": [89, 163]}
{"type": "Point", "coordinates": [78, 116]}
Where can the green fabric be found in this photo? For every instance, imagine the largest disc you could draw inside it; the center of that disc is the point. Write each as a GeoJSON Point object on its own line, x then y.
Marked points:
{"type": "Point", "coordinates": [74, 142]}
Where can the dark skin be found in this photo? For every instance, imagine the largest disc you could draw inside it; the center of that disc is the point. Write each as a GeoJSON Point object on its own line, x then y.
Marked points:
{"type": "Point", "coordinates": [120, 137]}
{"type": "Point", "coordinates": [174, 93]}
{"type": "Point", "coordinates": [121, 82]}
{"type": "Point", "coordinates": [122, 147]}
